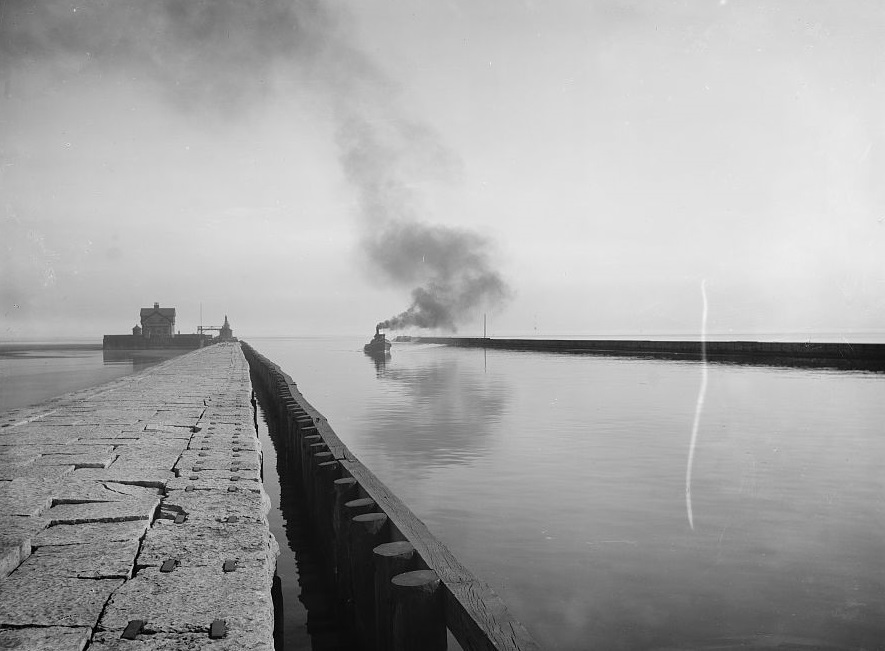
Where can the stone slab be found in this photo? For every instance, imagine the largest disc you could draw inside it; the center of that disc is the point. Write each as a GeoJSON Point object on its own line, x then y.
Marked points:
{"type": "Point", "coordinates": [189, 599]}
{"type": "Point", "coordinates": [8, 473]}
{"type": "Point", "coordinates": [74, 489]}
{"type": "Point", "coordinates": [203, 543]}
{"type": "Point", "coordinates": [12, 554]}
{"type": "Point", "coordinates": [72, 428]}
{"type": "Point", "coordinates": [158, 438]}
{"type": "Point", "coordinates": [71, 447]}
{"type": "Point", "coordinates": [50, 638]}
{"type": "Point", "coordinates": [218, 459]}
{"type": "Point", "coordinates": [16, 540]}
{"type": "Point", "coordinates": [204, 481]}
{"type": "Point", "coordinates": [102, 512]}
{"type": "Point", "coordinates": [242, 474]}
{"type": "Point", "coordinates": [72, 534]}
{"type": "Point", "coordinates": [24, 496]}
{"type": "Point", "coordinates": [30, 600]}
{"type": "Point", "coordinates": [155, 477]}
{"type": "Point", "coordinates": [94, 560]}
{"type": "Point", "coordinates": [108, 440]}
{"type": "Point", "coordinates": [233, 641]}
{"type": "Point", "coordinates": [149, 456]}
{"type": "Point", "coordinates": [180, 417]}
{"type": "Point", "coordinates": [18, 455]}
{"type": "Point", "coordinates": [77, 460]}
{"type": "Point", "coordinates": [224, 443]}
{"type": "Point", "coordinates": [25, 436]}
{"type": "Point", "coordinates": [174, 431]}
{"type": "Point", "coordinates": [216, 506]}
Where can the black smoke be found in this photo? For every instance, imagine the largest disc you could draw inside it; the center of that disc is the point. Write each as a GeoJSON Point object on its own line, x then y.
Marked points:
{"type": "Point", "coordinates": [223, 57]}
{"type": "Point", "coordinates": [449, 270]}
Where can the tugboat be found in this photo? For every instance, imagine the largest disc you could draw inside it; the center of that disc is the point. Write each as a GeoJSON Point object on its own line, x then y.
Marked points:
{"type": "Point", "coordinates": [379, 344]}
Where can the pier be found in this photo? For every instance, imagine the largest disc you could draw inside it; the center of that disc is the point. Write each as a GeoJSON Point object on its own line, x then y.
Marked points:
{"type": "Point", "coordinates": [835, 355]}
{"type": "Point", "coordinates": [134, 511]}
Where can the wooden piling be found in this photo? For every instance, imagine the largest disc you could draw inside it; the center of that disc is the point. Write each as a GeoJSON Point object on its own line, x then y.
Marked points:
{"type": "Point", "coordinates": [306, 442]}
{"type": "Point", "coordinates": [367, 531]}
{"type": "Point", "coordinates": [391, 559]}
{"type": "Point", "coordinates": [418, 619]}
{"type": "Point", "coordinates": [324, 476]}
{"type": "Point", "coordinates": [344, 490]}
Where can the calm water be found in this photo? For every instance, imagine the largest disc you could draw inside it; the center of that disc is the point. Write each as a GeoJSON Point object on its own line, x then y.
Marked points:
{"type": "Point", "coordinates": [560, 480]}
{"type": "Point", "coordinates": [32, 373]}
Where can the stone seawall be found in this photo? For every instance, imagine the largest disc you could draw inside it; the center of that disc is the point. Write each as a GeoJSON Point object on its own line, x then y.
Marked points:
{"type": "Point", "coordinates": [132, 515]}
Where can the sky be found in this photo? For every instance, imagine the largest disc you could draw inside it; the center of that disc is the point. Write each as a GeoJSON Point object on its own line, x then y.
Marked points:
{"type": "Point", "coordinates": [570, 168]}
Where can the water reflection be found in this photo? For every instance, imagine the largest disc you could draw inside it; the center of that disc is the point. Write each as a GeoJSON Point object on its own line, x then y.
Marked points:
{"type": "Point", "coordinates": [38, 371]}
{"type": "Point", "coordinates": [577, 518]}
{"type": "Point", "coordinates": [139, 359]}
{"type": "Point", "coordinates": [444, 411]}
{"type": "Point", "coordinates": [380, 360]}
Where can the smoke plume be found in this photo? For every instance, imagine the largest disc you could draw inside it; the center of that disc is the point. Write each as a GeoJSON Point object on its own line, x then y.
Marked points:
{"type": "Point", "coordinates": [449, 266]}
{"type": "Point", "coordinates": [449, 270]}
{"type": "Point", "coordinates": [222, 57]}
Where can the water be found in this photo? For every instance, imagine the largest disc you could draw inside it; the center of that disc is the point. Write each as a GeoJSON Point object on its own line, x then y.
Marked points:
{"type": "Point", "coordinates": [32, 373]}
{"type": "Point", "coordinates": [560, 480]}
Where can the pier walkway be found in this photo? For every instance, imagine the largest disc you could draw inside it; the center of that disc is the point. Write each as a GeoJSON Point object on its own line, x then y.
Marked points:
{"type": "Point", "coordinates": [132, 515]}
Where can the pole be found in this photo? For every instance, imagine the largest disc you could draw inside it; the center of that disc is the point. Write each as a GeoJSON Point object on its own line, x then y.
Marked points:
{"type": "Point", "coordinates": [484, 326]}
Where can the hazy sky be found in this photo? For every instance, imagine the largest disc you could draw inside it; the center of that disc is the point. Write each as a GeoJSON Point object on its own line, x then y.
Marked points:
{"type": "Point", "coordinates": [569, 167]}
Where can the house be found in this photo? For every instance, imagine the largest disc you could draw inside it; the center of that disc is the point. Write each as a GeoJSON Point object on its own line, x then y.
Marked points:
{"type": "Point", "coordinates": [158, 321]}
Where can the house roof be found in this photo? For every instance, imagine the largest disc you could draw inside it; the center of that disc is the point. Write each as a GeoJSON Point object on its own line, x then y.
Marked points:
{"type": "Point", "coordinates": [165, 312]}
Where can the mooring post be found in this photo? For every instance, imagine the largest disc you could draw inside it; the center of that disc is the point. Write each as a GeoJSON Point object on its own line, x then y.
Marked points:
{"type": "Point", "coordinates": [390, 559]}
{"type": "Point", "coordinates": [419, 621]}
{"type": "Point", "coordinates": [367, 532]}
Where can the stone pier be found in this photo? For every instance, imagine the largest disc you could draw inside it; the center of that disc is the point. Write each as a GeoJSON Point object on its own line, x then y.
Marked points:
{"type": "Point", "coordinates": [132, 515]}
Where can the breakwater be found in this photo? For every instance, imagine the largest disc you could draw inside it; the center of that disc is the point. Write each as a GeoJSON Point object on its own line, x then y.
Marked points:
{"type": "Point", "coordinates": [399, 585]}
{"type": "Point", "coordinates": [134, 513]}
{"type": "Point", "coordinates": [839, 355]}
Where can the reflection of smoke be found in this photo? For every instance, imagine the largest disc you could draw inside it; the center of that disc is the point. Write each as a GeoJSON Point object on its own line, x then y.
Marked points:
{"type": "Point", "coordinates": [449, 412]}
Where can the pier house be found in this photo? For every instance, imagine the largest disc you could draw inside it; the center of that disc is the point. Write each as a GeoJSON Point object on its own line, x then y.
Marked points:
{"type": "Point", "coordinates": [157, 321]}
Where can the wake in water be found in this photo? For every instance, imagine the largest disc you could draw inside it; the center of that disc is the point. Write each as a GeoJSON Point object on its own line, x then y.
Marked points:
{"type": "Point", "coordinates": [699, 407]}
